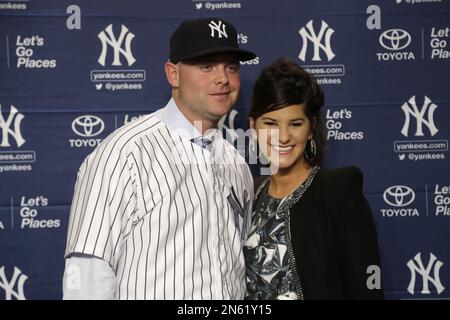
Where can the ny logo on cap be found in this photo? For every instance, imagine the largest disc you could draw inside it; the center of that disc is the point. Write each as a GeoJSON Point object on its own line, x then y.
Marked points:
{"type": "Point", "coordinates": [219, 27]}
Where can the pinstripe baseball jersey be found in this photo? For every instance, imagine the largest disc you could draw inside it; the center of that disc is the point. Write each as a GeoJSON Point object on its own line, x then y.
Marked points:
{"type": "Point", "coordinates": [169, 216]}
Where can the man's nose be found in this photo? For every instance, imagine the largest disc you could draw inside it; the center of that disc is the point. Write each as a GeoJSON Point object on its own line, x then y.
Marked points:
{"type": "Point", "coordinates": [221, 75]}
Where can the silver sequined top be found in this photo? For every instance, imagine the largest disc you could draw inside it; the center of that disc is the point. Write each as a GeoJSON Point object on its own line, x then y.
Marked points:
{"type": "Point", "coordinates": [270, 263]}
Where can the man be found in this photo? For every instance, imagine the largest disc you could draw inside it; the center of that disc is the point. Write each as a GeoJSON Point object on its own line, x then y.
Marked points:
{"type": "Point", "coordinates": [161, 208]}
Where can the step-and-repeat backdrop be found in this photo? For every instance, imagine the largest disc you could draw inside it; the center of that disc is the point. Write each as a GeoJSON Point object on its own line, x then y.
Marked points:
{"type": "Point", "coordinates": [71, 72]}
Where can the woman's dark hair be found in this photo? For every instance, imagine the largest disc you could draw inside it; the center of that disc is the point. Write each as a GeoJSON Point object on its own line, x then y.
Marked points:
{"type": "Point", "coordinates": [284, 83]}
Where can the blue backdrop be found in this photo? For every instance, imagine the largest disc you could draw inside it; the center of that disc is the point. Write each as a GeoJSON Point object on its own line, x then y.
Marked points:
{"type": "Point", "coordinates": [71, 72]}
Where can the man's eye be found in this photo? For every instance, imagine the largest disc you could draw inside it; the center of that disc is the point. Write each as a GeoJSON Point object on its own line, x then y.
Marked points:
{"type": "Point", "coordinates": [233, 68]}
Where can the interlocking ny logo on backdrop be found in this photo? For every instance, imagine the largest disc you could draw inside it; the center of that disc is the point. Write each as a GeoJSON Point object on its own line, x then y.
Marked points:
{"type": "Point", "coordinates": [121, 45]}
{"type": "Point", "coordinates": [410, 109]}
{"type": "Point", "coordinates": [10, 128]}
{"type": "Point", "coordinates": [219, 27]}
{"type": "Point", "coordinates": [321, 41]}
{"type": "Point", "coordinates": [416, 266]}
{"type": "Point", "coordinates": [18, 280]}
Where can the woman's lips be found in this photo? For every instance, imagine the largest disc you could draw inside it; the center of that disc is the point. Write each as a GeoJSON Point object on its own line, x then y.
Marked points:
{"type": "Point", "coordinates": [282, 149]}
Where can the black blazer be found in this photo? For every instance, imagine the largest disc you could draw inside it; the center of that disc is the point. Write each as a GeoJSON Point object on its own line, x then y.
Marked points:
{"type": "Point", "coordinates": [334, 238]}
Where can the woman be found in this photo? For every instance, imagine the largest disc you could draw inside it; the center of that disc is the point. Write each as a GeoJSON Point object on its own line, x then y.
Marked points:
{"type": "Point", "coordinates": [312, 234]}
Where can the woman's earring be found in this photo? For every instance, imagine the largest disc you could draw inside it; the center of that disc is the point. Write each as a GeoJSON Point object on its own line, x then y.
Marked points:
{"type": "Point", "coordinates": [311, 153]}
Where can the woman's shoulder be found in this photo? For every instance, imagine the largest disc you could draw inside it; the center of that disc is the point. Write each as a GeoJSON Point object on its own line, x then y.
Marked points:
{"type": "Point", "coordinates": [349, 172]}
{"type": "Point", "coordinates": [342, 179]}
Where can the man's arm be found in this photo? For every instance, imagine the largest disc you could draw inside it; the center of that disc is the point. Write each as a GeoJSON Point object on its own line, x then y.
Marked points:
{"type": "Point", "coordinates": [88, 278]}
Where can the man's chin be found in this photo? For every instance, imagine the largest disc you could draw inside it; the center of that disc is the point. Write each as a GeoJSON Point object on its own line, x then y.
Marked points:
{"type": "Point", "coordinates": [221, 110]}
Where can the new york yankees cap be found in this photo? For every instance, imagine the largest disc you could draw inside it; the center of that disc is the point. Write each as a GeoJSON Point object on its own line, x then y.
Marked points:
{"type": "Point", "coordinates": [201, 37]}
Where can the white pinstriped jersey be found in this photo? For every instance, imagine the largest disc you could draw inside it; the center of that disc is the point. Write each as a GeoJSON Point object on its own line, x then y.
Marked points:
{"type": "Point", "coordinates": [169, 216]}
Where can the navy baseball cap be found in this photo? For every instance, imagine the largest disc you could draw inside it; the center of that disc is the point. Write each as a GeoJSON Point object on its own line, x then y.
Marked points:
{"type": "Point", "coordinates": [201, 37]}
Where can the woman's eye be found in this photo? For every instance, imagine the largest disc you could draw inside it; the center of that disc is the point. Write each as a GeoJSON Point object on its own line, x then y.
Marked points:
{"type": "Point", "coordinates": [269, 123]}
{"type": "Point", "coordinates": [297, 124]}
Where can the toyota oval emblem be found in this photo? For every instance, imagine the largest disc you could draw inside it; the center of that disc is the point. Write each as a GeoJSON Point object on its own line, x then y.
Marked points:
{"type": "Point", "coordinates": [395, 39]}
{"type": "Point", "coordinates": [399, 196]}
{"type": "Point", "coordinates": [88, 126]}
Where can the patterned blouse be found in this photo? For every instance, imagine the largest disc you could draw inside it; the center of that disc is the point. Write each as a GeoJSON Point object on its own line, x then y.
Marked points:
{"type": "Point", "coordinates": [271, 267]}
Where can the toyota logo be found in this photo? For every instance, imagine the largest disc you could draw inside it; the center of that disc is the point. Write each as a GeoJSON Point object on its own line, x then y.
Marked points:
{"type": "Point", "coordinates": [399, 196]}
{"type": "Point", "coordinates": [88, 126]}
{"type": "Point", "coordinates": [395, 39]}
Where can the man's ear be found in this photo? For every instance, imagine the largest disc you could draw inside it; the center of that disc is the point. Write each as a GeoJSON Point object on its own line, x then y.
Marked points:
{"type": "Point", "coordinates": [252, 123]}
{"type": "Point", "coordinates": [172, 74]}
{"type": "Point", "coordinates": [252, 128]}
